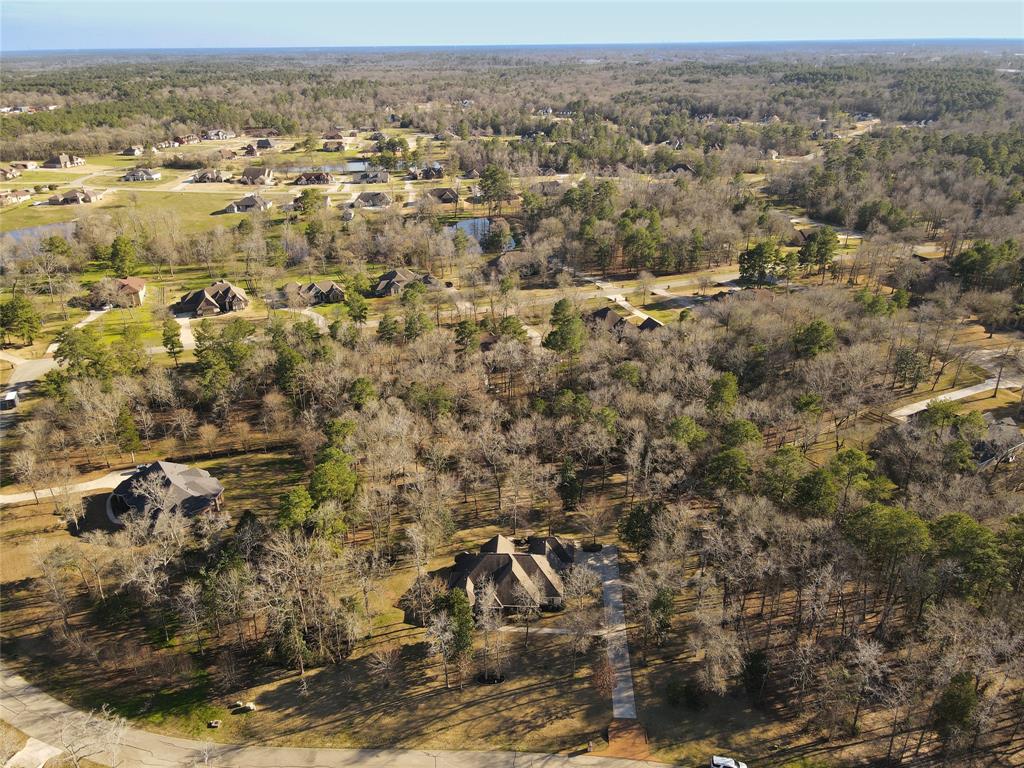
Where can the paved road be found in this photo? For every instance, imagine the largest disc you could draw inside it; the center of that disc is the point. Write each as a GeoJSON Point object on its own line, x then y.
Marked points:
{"type": "Point", "coordinates": [606, 563]}
{"type": "Point", "coordinates": [36, 714]}
{"type": "Point", "coordinates": [109, 480]}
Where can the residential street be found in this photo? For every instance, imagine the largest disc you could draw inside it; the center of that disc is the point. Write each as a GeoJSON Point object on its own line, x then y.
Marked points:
{"type": "Point", "coordinates": [37, 714]}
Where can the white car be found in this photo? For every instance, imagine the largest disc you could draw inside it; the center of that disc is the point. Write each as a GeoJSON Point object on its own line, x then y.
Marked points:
{"type": "Point", "coordinates": [726, 762]}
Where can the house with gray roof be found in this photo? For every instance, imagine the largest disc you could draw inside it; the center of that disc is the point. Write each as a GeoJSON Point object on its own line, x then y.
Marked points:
{"type": "Point", "coordinates": [536, 569]}
{"type": "Point", "coordinates": [248, 204]}
{"type": "Point", "coordinates": [256, 175]}
{"type": "Point", "coordinates": [321, 292]}
{"type": "Point", "coordinates": [392, 283]}
{"type": "Point", "coordinates": [165, 487]}
{"type": "Point", "coordinates": [218, 298]}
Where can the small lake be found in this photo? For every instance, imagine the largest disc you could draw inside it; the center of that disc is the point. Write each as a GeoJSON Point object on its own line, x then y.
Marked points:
{"type": "Point", "coordinates": [475, 228]}
{"type": "Point", "coordinates": [478, 229]}
{"type": "Point", "coordinates": [351, 166]}
{"type": "Point", "coordinates": [63, 228]}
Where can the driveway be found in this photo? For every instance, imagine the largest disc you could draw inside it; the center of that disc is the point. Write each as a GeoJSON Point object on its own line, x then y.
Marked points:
{"type": "Point", "coordinates": [903, 413]}
{"type": "Point", "coordinates": [35, 754]}
{"type": "Point", "coordinates": [35, 713]}
{"type": "Point", "coordinates": [109, 480]}
{"type": "Point", "coordinates": [606, 563]}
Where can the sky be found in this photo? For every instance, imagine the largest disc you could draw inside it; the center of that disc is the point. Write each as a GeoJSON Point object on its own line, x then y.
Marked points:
{"type": "Point", "coordinates": [27, 25]}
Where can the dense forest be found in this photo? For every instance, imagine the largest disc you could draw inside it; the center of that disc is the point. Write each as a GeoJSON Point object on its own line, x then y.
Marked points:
{"type": "Point", "coordinates": [789, 546]}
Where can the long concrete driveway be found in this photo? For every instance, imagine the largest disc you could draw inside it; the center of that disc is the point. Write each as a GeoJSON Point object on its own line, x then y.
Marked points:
{"type": "Point", "coordinates": [38, 715]}
{"type": "Point", "coordinates": [904, 412]}
{"type": "Point", "coordinates": [606, 563]}
{"type": "Point", "coordinates": [109, 480]}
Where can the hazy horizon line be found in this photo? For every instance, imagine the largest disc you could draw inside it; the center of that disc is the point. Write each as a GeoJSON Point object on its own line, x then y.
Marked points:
{"type": "Point", "coordinates": [488, 46]}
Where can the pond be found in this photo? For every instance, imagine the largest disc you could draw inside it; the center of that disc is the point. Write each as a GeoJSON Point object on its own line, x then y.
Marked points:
{"type": "Point", "coordinates": [63, 228]}
{"type": "Point", "coordinates": [476, 228]}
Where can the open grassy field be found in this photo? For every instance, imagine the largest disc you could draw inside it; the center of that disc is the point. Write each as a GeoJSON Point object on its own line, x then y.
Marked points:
{"type": "Point", "coordinates": [45, 176]}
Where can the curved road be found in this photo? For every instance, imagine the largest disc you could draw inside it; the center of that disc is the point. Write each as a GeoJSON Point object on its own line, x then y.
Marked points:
{"type": "Point", "coordinates": [38, 715]}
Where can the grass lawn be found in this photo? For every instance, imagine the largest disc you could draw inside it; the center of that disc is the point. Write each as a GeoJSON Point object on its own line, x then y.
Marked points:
{"type": "Point", "coordinates": [195, 211]}
{"type": "Point", "coordinates": [11, 741]}
{"type": "Point", "coordinates": [25, 215]}
{"type": "Point", "coordinates": [31, 178]}
{"type": "Point", "coordinates": [112, 324]}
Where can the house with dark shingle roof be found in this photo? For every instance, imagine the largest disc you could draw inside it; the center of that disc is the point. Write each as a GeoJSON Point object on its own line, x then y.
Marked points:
{"type": "Point", "coordinates": [322, 292]}
{"type": "Point", "coordinates": [372, 200]}
{"type": "Point", "coordinates": [314, 177]}
{"type": "Point", "coordinates": [537, 569]}
{"type": "Point", "coordinates": [248, 204]}
{"type": "Point", "coordinates": [75, 197]}
{"type": "Point", "coordinates": [444, 195]}
{"type": "Point", "coordinates": [63, 161]}
{"type": "Point", "coordinates": [218, 298]}
{"type": "Point", "coordinates": [166, 487]}
{"type": "Point", "coordinates": [210, 176]}
{"type": "Point", "coordinates": [392, 283]}
{"type": "Point", "coordinates": [257, 176]}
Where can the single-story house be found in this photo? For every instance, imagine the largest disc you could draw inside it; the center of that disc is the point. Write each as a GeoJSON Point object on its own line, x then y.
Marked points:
{"type": "Point", "coordinates": [165, 486]}
{"type": "Point", "coordinates": [472, 174]}
{"type": "Point", "coordinates": [209, 176]}
{"type": "Point", "coordinates": [256, 175]}
{"type": "Point", "coordinates": [325, 202]}
{"type": "Point", "coordinates": [314, 177]}
{"type": "Point", "coordinates": [133, 288]}
{"type": "Point", "coordinates": [25, 165]}
{"type": "Point", "coordinates": [322, 292]}
{"type": "Point", "coordinates": [391, 283]}
{"type": "Point", "coordinates": [372, 200]}
{"type": "Point", "coordinates": [683, 168]}
{"type": "Point", "coordinates": [536, 569]}
{"type": "Point", "coordinates": [264, 144]}
{"type": "Point", "coordinates": [435, 171]}
{"type": "Point", "coordinates": [444, 195]}
{"type": "Point", "coordinates": [218, 298]}
{"type": "Point", "coordinates": [218, 134]}
{"type": "Point", "coordinates": [141, 174]}
{"type": "Point", "coordinates": [63, 161]}
{"type": "Point", "coordinates": [75, 197]}
{"type": "Point", "coordinates": [188, 138]}
{"type": "Point", "coordinates": [133, 151]}
{"type": "Point", "coordinates": [549, 188]}
{"type": "Point", "coordinates": [334, 145]}
{"type": "Point", "coordinates": [650, 324]}
{"type": "Point", "coordinates": [250, 151]}
{"type": "Point", "coordinates": [14, 196]}
{"type": "Point", "coordinates": [248, 204]}
{"type": "Point", "coordinates": [374, 177]}
{"type": "Point", "coordinates": [607, 319]}
{"type": "Point", "coordinates": [7, 174]}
